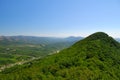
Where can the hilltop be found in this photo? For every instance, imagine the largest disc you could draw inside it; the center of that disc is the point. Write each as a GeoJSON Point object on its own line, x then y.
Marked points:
{"type": "Point", "coordinates": [97, 57]}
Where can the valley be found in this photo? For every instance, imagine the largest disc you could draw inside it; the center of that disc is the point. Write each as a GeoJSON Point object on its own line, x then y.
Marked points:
{"type": "Point", "coordinates": [3, 67]}
{"type": "Point", "coordinates": [17, 49]}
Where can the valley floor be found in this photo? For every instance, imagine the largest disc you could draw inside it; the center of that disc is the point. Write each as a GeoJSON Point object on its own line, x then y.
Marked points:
{"type": "Point", "coordinates": [2, 68]}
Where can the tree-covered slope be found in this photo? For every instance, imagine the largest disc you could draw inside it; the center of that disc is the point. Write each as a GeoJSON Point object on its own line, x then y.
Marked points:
{"type": "Point", "coordinates": [96, 57]}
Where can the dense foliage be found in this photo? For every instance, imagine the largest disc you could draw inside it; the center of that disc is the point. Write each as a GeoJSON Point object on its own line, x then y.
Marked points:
{"type": "Point", "coordinates": [96, 57]}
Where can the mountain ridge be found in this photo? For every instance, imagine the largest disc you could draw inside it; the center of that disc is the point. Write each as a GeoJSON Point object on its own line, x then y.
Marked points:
{"type": "Point", "coordinates": [100, 36]}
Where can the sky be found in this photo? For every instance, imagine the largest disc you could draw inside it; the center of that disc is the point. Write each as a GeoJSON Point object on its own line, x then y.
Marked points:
{"type": "Point", "coordinates": [59, 18]}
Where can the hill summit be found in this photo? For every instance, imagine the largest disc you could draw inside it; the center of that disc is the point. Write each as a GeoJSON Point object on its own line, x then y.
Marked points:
{"type": "Point", "coordinates": [96, 57]}
{"type": "Point", "coordinates": [99, 37]}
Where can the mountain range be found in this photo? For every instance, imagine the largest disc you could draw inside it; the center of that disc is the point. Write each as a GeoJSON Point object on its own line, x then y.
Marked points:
{"type": "Point", "coordinates": [10, 40]}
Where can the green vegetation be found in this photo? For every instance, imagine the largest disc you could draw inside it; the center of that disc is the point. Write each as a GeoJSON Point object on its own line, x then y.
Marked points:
{"type": "Point", "coordinates": [96, 57]}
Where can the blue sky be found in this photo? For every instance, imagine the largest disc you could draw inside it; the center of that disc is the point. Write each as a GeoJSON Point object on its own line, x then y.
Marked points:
{"type": "Point", "coordinates": [59, 18]}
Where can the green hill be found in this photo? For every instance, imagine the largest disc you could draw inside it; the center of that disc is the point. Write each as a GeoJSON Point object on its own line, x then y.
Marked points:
{"type": "Point", "coordinates": [96, 57]}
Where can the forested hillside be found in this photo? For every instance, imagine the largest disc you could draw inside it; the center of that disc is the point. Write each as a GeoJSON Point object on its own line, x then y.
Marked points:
{"type": "Point", "coordinates": [96, 57]}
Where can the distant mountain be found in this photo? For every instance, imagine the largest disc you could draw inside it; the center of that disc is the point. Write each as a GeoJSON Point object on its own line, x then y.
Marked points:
{"type": "Point", "coordinates": [10, 40]}
{"type": "Point", "coordinates": [96, 57]}
{"type": "Point", "coordinates": [72, 38]}
{"type": "Point", "coordinates": [117, 39]}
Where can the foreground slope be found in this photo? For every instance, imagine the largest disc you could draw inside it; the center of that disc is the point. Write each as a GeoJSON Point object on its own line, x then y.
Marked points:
{"type": "Point", "coordinates": [96, 57]}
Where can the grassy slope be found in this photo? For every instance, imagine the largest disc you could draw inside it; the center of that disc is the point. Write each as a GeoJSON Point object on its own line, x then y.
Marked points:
{"type": "Point", "coordinates": [96, 57]}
